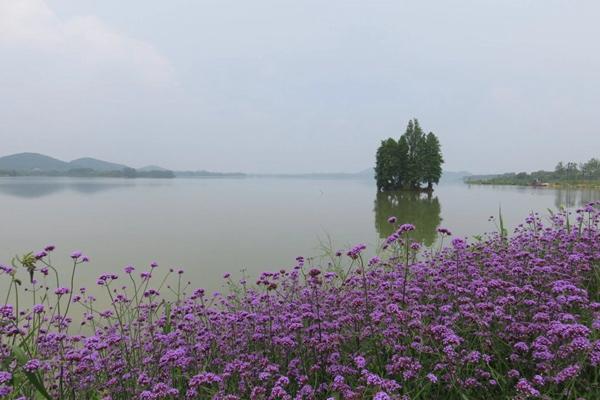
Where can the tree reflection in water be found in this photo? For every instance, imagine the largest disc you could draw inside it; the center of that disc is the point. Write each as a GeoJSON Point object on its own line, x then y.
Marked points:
{"type": "Point", "coordinates": [420, 209]}
{"type": "Point", "coordinates": [575, 197]}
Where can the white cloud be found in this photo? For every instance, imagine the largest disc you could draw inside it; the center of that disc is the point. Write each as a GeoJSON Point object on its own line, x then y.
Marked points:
{"type": "Point", "coordinates": [32, 25]}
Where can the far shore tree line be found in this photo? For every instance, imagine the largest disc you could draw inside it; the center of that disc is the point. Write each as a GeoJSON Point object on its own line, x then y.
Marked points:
{"type": "Point", "coordinates": [413, 160]}
{"type": "Point", "coordinates": [92, 173]}
{"type": "Point", "coordinates": [570, 172]}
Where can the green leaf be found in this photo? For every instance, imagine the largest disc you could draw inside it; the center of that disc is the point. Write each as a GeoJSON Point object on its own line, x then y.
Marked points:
{"type": "Point", "coordinates": [33, 378]}
{"type": "Point", "coordinates": [167, 327]}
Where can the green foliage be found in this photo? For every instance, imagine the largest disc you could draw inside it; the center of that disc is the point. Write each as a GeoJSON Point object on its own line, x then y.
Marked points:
{"type": "Point", "coordinates": [569, 173]}
{"type": "Point", "coordinates": [391, 158]}
{"type": "Point", "coordinates": [413, 159]}
{"type": "Point", "coordinates": [432, 160]}
{"type": "Point", "coordinates": [33, 378]}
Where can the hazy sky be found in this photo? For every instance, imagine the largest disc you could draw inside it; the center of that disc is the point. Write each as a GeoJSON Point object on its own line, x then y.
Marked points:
{"type": "Point", "coordinates": [298, 86]}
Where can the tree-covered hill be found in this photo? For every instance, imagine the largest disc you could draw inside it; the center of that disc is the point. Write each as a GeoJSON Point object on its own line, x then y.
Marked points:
{"type": "Point", "coordinates": [96, 165]}
{"type": "Point", "coordinates": [34, 164]}
{"type": "Point", "coordinates": [32, 161]}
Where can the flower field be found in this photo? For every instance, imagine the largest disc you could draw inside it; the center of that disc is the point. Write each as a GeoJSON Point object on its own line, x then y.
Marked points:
{"type": "Point", "coordinates": [504, 316]}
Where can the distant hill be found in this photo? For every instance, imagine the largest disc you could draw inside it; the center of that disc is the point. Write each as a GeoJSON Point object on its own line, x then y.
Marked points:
{"type": "Point", "coordinates": [96, 165]}
{"type": "Point", "coordinates": [32, 162]}
{"type": "Point", "coordinates": [40, 162]}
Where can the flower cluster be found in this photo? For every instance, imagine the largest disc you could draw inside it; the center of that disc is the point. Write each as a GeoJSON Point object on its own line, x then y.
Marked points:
{"type": "Point", "coordinates": [500, 317]}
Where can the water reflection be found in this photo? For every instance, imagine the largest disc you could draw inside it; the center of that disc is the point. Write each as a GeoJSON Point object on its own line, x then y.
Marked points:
{"type": "Point", "coordinates": [571, 198]}
{"type": "Point", "coordinates": [26, 188]}
{"type": "Point", "coordinates": [420, 209]}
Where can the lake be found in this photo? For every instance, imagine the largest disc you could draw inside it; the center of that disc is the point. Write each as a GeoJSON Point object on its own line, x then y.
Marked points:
{"type": "Point", "coordinates": [212, 226]}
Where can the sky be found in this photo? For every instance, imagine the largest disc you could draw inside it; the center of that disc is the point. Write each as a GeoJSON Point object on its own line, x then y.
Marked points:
{"type": "Point", "coordinates": [300, 85]}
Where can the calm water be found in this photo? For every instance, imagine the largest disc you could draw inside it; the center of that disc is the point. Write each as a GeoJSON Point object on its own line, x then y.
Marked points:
{"type": "Point", "coordinates": [210, 226]}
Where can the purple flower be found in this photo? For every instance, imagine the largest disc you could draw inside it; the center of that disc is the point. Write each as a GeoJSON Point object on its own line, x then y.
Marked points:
{"type": "Point", "coordinates": [61, 291]}
{"type": "Point", "coordinates": [5, 376]}
{"type": "Point", "coordinates": [40, 254]}
{"type": "Point", "coordinates": [444, 231]}
{"type": "Point", "coordinates": [406, 228]}
{"type": "Point", "coordinates": [49, 248]}
{"type": "Point", "coordinates": [129, 269]}
{"type": "Point", "coordinates": [75, 255]}
{"type": "Point", "coordinates": [381, 396]}
{"type": "Point", "coordinates": [5, 390]}
{"type": "Point", "coordinates": [355, 251]}
{"type": "Point", "coordinates": [314, 272]}
{"type": "Point", "coordinates": [391, 220]}
{"type": "Point", "coordinates": [525, 387]}
{"type": "Point", "coordinates": [458, 243]}
{"type": "Point", "coordinates": [513, 373]}
{"type": "Point", "coordinates": [38, 308]}
{"type": "Point", "coordinates": [360, 361]}
{"type": "Point", "coordinates": [374, 261]}
{"type": "Point", "coordinates": [204, 378]}
{"type": "Point", "coordinates": [567, 373]}
{"type": "Point", "coordinates": [6, 269]}
{"type": "Point", "coordinates": [32, 365]}
{"type": "Point", "coordinates": [150, 293]}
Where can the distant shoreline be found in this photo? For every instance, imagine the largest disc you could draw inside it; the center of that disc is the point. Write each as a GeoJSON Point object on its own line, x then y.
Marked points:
{"type": "Point", "coordinates": [547, 185]}
{"type": "Point", "coordinates": [88, 173]}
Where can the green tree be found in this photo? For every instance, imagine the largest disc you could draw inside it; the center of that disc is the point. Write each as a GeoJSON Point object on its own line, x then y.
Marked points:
{"type": "Point", "coordinates": [384, 164]}
{"type": "Point", "coordinates": [414, 159]}
{"type": "Point", "coordinates": [591, 169]}
{"type": "Point", "coordinates": [572, 170]}
{"type": "Point", "coordinates": [559, 170]}
{"type": "Point", "coordinates": [432, 161]}
{"type": "Point", "coordinates": [390, 165]}
{"type": "Point", "coordinates": [415, 139]}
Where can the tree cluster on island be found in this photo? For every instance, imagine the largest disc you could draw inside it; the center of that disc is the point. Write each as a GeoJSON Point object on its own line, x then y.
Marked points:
{"type": "Point", "coordinates": [407, 163]}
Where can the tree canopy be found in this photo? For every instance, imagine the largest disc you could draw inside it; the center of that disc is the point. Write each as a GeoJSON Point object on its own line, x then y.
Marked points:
{"type": "Point", "coordinates": [412, 160]}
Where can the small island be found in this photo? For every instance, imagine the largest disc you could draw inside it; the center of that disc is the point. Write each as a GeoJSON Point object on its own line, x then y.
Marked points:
{"type": "Point", "coordinates": [407, 163]}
